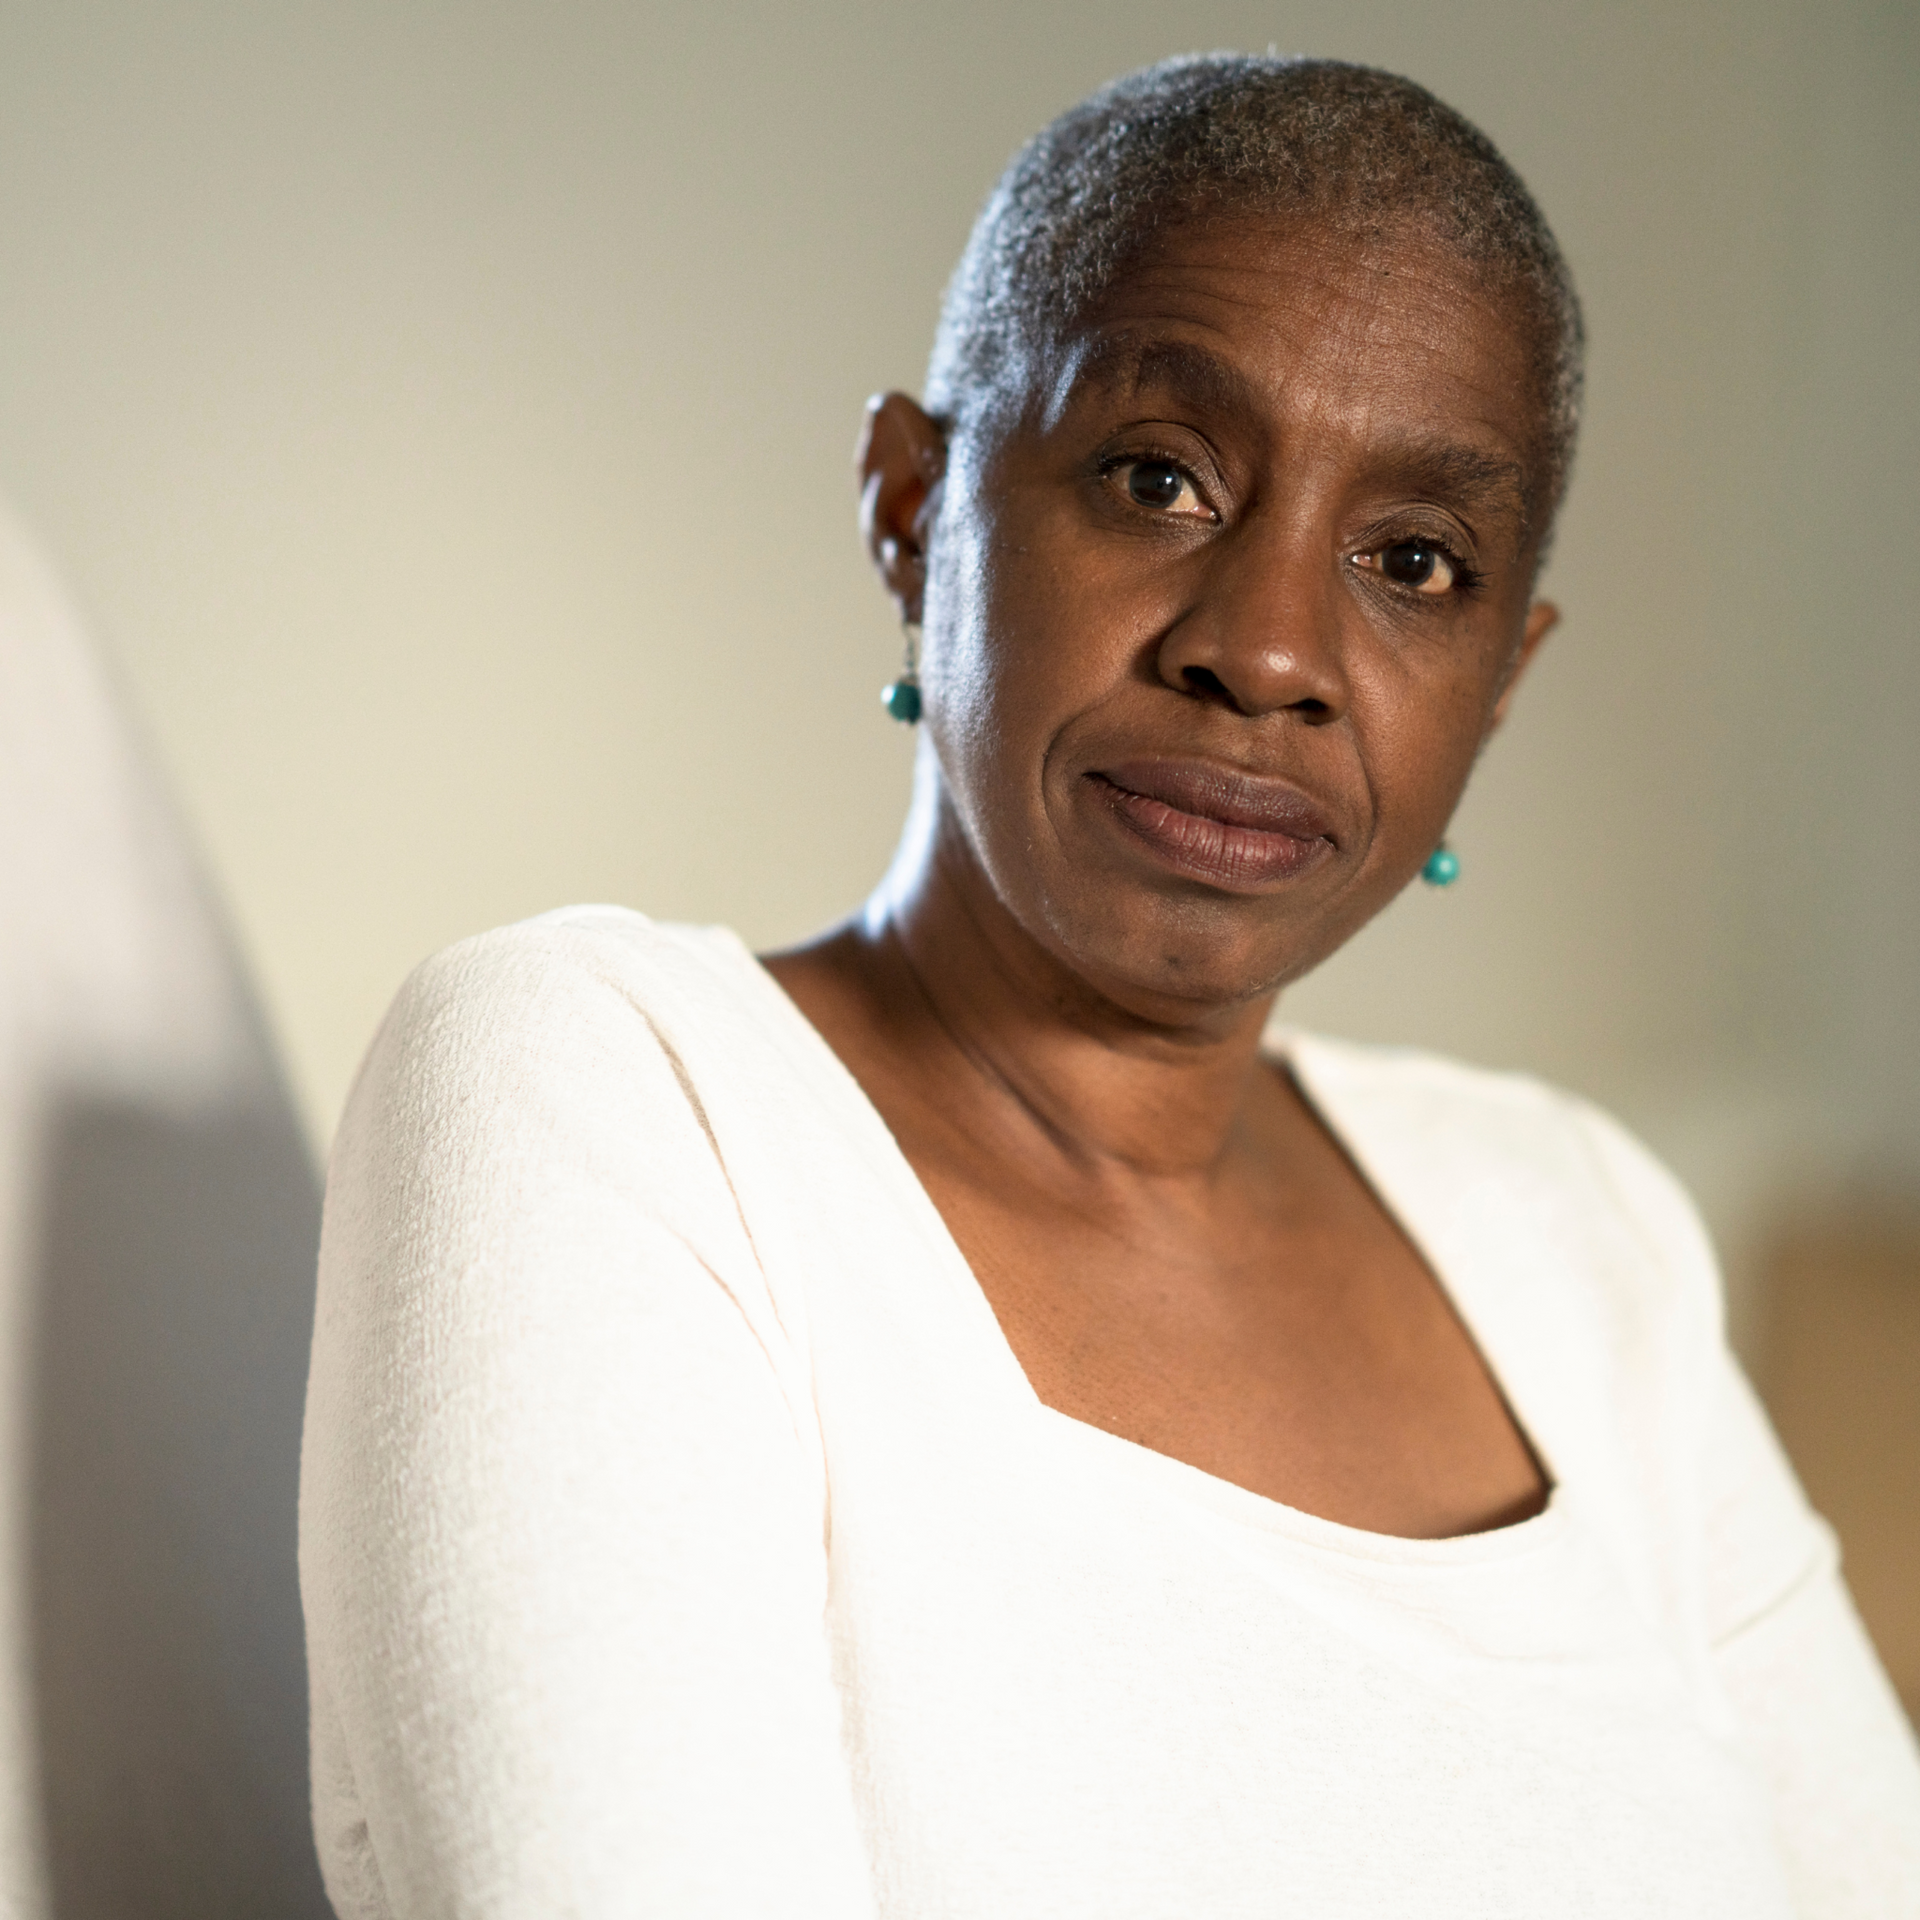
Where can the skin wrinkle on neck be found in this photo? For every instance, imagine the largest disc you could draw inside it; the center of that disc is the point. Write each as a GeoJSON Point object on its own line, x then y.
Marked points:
{"type": "Point", "coordinates": [1039, 1066]}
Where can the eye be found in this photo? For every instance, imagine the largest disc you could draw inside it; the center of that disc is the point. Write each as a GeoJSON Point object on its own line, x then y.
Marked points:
{"type": "Point", "coordinates": [1423, 565]}
{"type": "Point", "coordinates": [1163, 487]}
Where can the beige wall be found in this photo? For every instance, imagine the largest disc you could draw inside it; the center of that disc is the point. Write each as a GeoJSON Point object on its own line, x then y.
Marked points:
{"type": "Point", "coordinates": [445, 412]}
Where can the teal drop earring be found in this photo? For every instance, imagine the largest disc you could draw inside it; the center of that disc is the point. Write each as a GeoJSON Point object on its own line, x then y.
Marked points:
{"type": "Point", "coordinates": [901, 697]}
{"type": "Point", "coordinates": [1442, 868]}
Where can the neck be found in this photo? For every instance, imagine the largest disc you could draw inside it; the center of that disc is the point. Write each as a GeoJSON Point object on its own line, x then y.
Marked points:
{"type": "Point", "coordinates": [1110, 1080]}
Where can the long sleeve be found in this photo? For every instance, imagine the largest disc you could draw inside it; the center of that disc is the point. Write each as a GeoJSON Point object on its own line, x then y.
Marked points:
{"type": "Point", "coordinates": [563, 1509]}
{"type": "Point", "coordinates": [1815, 1707]}
{"type": "Point", "coordinates": [1837, 1751]}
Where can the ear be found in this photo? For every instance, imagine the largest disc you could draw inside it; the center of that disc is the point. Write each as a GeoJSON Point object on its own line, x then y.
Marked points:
{"type": "Point", "coordinates": [1542, 617]}
{"type": "Point", "coordinates": [901, 461]}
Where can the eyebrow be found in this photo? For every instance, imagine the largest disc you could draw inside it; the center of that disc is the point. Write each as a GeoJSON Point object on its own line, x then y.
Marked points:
{"type": "Point", "coordinates": [1450, 468]}
{"type": "Point", "coordinates": [1135, 364]}
{"type": "Point", "coordinates": [1429, 463]}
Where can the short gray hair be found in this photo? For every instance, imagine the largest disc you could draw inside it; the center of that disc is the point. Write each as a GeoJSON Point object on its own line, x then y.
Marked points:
{"type": "Point", "coordinates": [1354, 148]}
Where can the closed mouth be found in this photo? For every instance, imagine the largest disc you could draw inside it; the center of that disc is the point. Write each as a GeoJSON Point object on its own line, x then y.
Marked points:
{"type": "Point", "coordinates": [1233, 829]}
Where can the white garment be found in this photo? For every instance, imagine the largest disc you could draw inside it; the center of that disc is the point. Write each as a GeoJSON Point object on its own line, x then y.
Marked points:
{"type": "Point", "coordinates": [681, 1538]}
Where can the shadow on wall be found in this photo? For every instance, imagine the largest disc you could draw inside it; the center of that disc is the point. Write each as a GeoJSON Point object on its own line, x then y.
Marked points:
{"type": "Point", "coordinates": [174, 1304]}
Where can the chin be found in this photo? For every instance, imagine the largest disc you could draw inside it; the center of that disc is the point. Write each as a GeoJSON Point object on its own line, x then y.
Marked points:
{"type": "Point", "coordinates": [1172, 960]}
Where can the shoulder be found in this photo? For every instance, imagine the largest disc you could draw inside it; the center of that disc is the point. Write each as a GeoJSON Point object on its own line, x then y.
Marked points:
{"type": "Point", "coordinates": [543, 1053]}
{"type": "Point", "coordinates": [557, 978]}
{"type": "Point", "coordinates": [1492, 1119]}
{"type": "Point", "coordinates": [1515, 1156]}
{"type": "Point", "coordinates": [581, 995]}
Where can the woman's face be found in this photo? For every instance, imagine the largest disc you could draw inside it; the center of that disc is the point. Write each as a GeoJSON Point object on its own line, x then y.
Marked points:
{"type": "Point", "coordinates": [1216, 626]}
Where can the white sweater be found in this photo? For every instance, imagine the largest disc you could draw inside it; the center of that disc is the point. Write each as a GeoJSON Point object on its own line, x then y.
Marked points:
{"type": "Point", "coordinates": [680, 1537]}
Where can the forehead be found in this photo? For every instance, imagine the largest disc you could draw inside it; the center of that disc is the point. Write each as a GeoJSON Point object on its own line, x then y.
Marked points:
{"type": "Point", "coordinates": [1290, 326]}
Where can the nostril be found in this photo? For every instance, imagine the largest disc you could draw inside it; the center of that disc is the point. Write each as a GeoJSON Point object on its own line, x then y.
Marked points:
{"type": "Point", "coordinates": [1204, 684]}
{"type": "Point", "coordinates": [1204, 681]}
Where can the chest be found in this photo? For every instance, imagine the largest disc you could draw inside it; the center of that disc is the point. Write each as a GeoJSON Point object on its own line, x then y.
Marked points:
{"type": "Point", "coordinates": [1293, 1342]}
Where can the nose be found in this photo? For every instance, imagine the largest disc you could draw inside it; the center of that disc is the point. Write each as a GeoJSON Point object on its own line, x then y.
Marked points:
{"type": "Point", "coordinates": [1262, 634]}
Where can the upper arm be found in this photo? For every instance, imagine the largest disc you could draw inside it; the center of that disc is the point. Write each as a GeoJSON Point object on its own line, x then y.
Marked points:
{"type": "Point", "coordinates": [1815, 1709]}
{"type": "Point", "coordinates": [561, 1510]}
{"type": "Point", "coordinates": [1821, 1718]}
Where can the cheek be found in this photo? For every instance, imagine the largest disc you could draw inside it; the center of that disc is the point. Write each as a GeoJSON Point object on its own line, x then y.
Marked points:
{"type": "Point", "coordinates": [956, 666]}
{"type": "Point", "coordinates": [972, 678]}
{"type": "Point", "coordinates": [1420, 727]}
{"type": "Point", "coordinates": [1020, 637]}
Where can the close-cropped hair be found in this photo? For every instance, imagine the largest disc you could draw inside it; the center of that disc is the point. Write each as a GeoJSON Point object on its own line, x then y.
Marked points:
{"type": "Point", "coordinates": [1357, 151]}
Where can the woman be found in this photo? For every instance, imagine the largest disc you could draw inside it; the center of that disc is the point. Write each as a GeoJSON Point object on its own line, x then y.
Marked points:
{"type": "Point", "coordinates": [941, 1422]}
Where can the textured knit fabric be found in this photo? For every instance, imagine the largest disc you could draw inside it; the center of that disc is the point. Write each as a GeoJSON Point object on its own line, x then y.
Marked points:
{"type": "Point", "coordinates": [681, 1538]}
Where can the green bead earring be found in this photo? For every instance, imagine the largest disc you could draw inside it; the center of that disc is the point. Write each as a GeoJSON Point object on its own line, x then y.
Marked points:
{"type": "Point", "coordinates": [1442, 868]}
{"type": "Point", "coordinates": [901, 697]}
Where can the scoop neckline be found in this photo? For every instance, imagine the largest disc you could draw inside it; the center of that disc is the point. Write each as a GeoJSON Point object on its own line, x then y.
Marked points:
{"type": "Point", "coordinates": [1167, 1476]}
{"type": "Point", "coordinates": [1181, 1478]}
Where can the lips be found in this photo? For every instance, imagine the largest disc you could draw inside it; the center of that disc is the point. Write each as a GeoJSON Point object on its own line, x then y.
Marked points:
{"type": "Point", "coordinates": [1234, 830]}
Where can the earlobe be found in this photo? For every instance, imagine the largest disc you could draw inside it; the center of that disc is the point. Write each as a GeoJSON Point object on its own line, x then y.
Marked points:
{"type": "Point", "coordinates": [901, 460]}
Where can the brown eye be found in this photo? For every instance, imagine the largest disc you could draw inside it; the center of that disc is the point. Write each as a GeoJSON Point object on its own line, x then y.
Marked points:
{"type": "Point", "coordinates": [1419, 564]}
{"type": "Point", "coordinates": [1416, 563]}
{"type": "Point", "coordinates": [1156, 483]}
